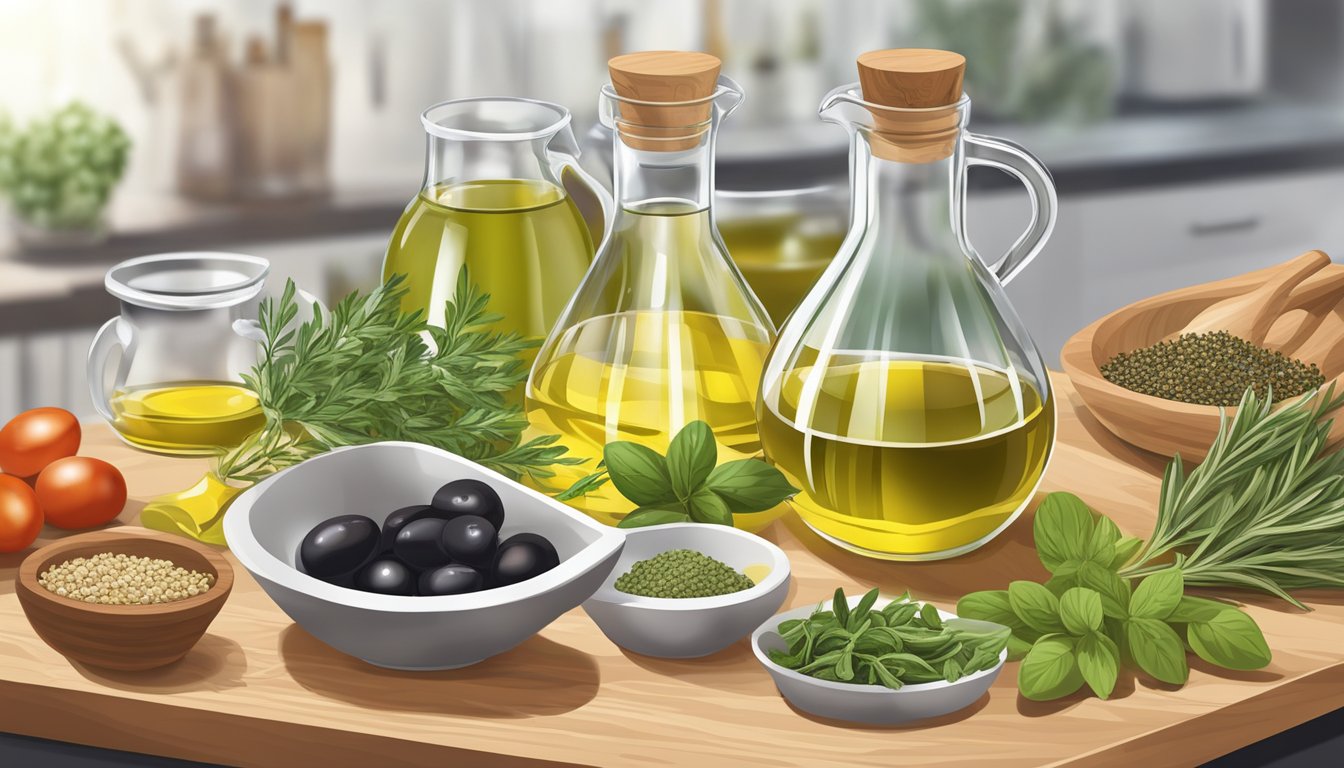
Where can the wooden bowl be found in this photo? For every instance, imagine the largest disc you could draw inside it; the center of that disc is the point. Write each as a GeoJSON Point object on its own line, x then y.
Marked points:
{"type": "Point", "coordinates": [1307, 324]}
{"type": "Point", "coordinates": [124, 637]}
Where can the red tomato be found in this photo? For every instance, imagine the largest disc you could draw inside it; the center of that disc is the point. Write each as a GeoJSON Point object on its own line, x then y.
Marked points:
{"type": "Point", "coordinates": [80, 492]}
{"type": "Point", "coordinates": [34, 439]}
{"type": "Point", "coordinates": [20, 517]}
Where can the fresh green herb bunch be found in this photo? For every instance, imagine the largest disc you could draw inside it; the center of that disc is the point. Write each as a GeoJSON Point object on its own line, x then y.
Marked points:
{"type": "Point", "coordinates": [1211, 369]}
{"type": "Point", "coordinates": [1087, 622]}
{"type": "Point", "coordinates": [59, 171]}
{"type": "Point", "coordinates": [688, 484]}
{"type": "Point", "coordinates": [364, 373]}
{"type": "Point", "coordinates": [1264, 510]}
{"type": "Point", "coordinates": [682, 573]}
{"type": "Point", "coordinates": [903, 643]}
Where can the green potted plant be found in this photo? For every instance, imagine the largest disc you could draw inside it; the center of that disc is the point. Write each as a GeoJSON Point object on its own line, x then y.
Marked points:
{"type": "Point", "coordinates": [58, 173]}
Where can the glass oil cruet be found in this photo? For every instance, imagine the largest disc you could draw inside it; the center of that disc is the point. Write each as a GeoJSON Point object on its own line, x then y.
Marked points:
{"type": "Point", "coordinates": [904, 396]}
{"type": "Point", "coordinates": [664, 330]}
{"type": "Point", "coordinates": [503, 194]}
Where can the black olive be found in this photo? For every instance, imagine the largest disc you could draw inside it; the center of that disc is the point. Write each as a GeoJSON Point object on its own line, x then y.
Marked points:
{"type": "Point", "coordinates": [398, 520]}
{"type": "Point", "coordinates": [471, 540]}
{"type": "Point", "coordinates": [454, 579]}
{"type": "Point", "coordinates": [420, 543]}
{"type": "Point", "coordinates": [339, 546]}
{"type": "Point", "coordinates": [470, 497]}
{"type": "Point", "coordinates": [386, 576]}
{"type": "Point", "coordinates": [521, 557]}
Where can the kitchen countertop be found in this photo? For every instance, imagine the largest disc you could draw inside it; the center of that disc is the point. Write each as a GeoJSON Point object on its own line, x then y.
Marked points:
{"type": "Point", "coordinates": [259, 690]}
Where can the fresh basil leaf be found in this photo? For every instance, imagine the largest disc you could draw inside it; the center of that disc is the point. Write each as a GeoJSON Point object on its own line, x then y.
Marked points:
{"type": "Point", "coordinates": [1230, 639]}
{"type": "Point", "coordinates": [646, 516]}
{"type": "Point", "coordinates": [1197, 609]}
{"type": "Point", "coordinates": [844, 668]}
{"type": "Point", "coordinates": [1017, 648]}
{"type": "Point", "coordinates": [1050, 669]}
{"type": "Point", "coordinates": [1062, 529]}
{"type": "Point", "coordinates": [865, 604]}
{"type": "Point", "coordinates": [1125, 549]}
{"type": "Point", "coordinates": [1099, 663]}
{"type": "Point", "coordinates": [1158, 595]}
{"type": "Point", "coordinates": [707, 507]}
{"type": "Point", "coordinates": [1157, 649]}
{"type": "Point", "coordinates": [1101, 544]}
{"type": "Point", "coordinates": [1114, 590]}
{"type": "Point", "coordinates": [639, 473]}
{"type": "Point", "coordinates": [1080, 610]}
{"type": "Point", "coordinates": [691, 456]}
{"type": "Point", "coordinates": [952, 671]}
{"type": "Point", "coordinates": [1035, 606]}
{"type": "Point", "coordinates": [749, 485]}
{"type": "Point", "coordinates": [840, 607]}
{"type": "Point", "coordinates": [929, 613]}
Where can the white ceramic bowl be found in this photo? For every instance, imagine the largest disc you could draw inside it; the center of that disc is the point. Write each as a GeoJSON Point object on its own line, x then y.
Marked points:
{"type": "Point", "coordinates": [871, 704]}
{"type": "Point", "coordinates": [698, 626]}
{"type": "Point", "coordinates": [265, 525]}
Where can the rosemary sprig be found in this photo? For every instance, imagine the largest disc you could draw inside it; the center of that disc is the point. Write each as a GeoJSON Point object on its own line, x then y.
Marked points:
{"type": "Point", "coordinates": [364, 373]}
{"type": "Point", "coordinates": [1265, 509]}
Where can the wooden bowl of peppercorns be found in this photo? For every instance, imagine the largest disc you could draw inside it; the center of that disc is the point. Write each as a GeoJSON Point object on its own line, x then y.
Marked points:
{"type": "Point", "coordinates": [123, 636]}
{"type": "Point", "coordinates": [1136, 368]}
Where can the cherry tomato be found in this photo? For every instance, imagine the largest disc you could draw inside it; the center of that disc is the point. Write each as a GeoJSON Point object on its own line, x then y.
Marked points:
{"type": "Point", "coordinates": [20, 516]}
{"type": "Point", "coordinates": [80, 492]}
{"type": "Point", "coordinates": [34, 439]}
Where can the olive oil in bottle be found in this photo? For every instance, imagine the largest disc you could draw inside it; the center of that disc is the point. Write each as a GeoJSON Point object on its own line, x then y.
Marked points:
{"type": "Point", "coordinates": [522, 241]}
{"type": "Point", "coordinates": [902, 458]}
{"type": "Point", "coordinates": [190, 417]}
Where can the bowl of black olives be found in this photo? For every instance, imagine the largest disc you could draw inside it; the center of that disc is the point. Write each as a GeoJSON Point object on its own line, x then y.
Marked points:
{"type": "Point", "coordinates": [410, 557]}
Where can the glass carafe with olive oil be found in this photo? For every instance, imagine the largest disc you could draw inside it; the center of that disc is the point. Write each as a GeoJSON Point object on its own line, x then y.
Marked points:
{"type": "Point", "coordinates": [497, 200]}
{"type": "Point", "coordinates": [663, 331]}
{"type": "Point", "coordinates": [904, 397]}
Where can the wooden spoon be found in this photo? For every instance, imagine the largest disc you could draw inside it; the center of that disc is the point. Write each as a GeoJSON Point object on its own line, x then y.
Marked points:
{"type": "Point", "coordinates": [1250, 315]}
{"type": "Point", "coordinates": [1310, 303]}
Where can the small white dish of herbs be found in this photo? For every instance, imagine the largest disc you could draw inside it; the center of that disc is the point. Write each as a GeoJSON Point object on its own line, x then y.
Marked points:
{"type": "Point", "coordinates": [880, 661]}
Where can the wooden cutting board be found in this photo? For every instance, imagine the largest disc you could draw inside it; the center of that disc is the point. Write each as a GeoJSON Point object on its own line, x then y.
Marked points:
{"type": "Point", "coordinates": [258, 690]}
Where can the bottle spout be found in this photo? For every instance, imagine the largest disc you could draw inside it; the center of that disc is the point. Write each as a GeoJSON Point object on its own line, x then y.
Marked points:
{"type": "Point", "coordinates": [844, 106]}
{"type": "Point", "coordinates": [728, 96]}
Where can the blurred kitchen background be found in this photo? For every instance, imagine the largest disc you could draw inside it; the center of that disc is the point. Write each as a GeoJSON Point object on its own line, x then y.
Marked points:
{"type": "Point", "coordinates": [1189, 140]}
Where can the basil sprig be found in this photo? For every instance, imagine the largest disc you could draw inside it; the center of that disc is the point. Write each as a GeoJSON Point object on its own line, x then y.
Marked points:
{"type": "Point", "coordinates": [1087, 622]}
{"type": "Point", "coordinates": [688, 484]}
{"type": "Point", "coordinates": [903, 643]}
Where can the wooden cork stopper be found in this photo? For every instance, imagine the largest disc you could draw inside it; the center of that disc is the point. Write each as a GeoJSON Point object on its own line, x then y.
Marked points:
{"type": "Point", "coordinates": [913, 78]}
{"type": "Point", "coordinates": [664, 81]}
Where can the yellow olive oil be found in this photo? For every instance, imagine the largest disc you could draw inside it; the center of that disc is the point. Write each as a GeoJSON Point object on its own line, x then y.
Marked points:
{"type": "Point", "coordinates": [907, 459]}
{"type": "Point", "coordinates": [672, 368]}
{"type": "Point", "coordinates": [780, 258]}
{"type": "Point", "coordinates": [190, 417]}
{"type": "Point", "coordinates": [522, 240]}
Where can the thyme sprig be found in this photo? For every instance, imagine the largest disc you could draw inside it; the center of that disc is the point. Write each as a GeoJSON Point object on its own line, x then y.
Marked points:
{"type": "Point", "coordinates": [364, 372]}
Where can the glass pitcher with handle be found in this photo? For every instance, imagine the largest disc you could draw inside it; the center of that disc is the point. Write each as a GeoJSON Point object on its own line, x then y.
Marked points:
{"type": "Point", "coordinates": [186, 333]}
{"type": "Point", "coordinates": [504, 196]}
{"type": "Point", "coordinates": [904, 395]}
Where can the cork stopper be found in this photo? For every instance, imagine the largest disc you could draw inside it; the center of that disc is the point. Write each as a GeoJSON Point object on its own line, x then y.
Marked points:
{"type": "Point", "coordinates": [916, 79]}
{"type": "Point", "coordinates": [664, 81]}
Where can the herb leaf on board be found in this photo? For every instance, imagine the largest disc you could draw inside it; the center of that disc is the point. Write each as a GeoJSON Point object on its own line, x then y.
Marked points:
{"type": "Point", "coordinates": [639, 473]}
{"type": "Point", "coordinates": [691, 456]}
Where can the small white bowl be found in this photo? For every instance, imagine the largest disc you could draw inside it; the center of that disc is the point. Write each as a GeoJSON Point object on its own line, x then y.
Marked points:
{"type": "Point", "coordinates": [871, 704]}
{"type": "Point", "coordinates": [265, 525]}
{"type": "Point", "coordinates": [688, 628]}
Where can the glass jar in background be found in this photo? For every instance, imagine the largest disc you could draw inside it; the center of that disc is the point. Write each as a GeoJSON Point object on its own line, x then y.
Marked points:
{"type": "Point", "coordinates": [782, 239]}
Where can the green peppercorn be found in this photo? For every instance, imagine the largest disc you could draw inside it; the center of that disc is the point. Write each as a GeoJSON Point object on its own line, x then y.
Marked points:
{"type": "Point", "coordinates": [1211, 369]}
{"type": "Point", "coordinates": [682, 573]}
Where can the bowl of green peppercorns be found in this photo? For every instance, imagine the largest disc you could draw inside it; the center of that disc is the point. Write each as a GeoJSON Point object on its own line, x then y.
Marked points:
{"type": "Point", "coordinates": [687, 590]}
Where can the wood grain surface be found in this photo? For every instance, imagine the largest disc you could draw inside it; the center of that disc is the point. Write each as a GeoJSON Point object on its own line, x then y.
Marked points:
{"type": "Point", "coordinates": [258, 690]}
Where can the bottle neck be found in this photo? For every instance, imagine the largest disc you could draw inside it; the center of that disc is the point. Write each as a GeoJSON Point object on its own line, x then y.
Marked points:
{"type": "Point", "coordinates": [916, 207]}
{"type": "Point", "coordinates": [647, 178]}
{"type": "Point", "coordinates": [457, 161]}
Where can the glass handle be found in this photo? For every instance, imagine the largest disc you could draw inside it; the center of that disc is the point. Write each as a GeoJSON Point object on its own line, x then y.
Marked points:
{"type": "Point", "coordinates": [107, 340]}
{"type": "Point", "coordinates": [562, 154]}
{"type": "Point", "coordinates": [1022, 165]}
